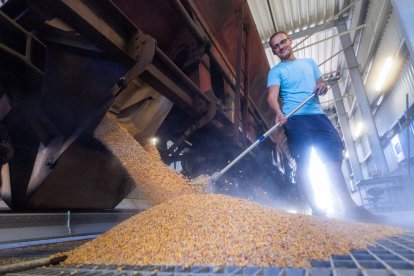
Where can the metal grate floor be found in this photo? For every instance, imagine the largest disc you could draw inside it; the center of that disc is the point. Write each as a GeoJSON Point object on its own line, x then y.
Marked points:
{"type": "Point", "coordinates": [394, 256]}
{"type": "Point", "coordinates": [27, 253]}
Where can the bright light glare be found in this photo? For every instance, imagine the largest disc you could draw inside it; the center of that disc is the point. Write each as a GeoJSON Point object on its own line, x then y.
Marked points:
{"type": "Point", "coordinates": [320, 183]}
{"type": "Point", "coordinates": [396, 145]}
{"type": "Point", "coordinates": [154, 140]}
{"type": "Point", "coordinates": [358, 130]}
{"type": "Point", "coordinates": [380, 100]}
{"type": "Point", "coordinates": [384, 73]}
{"type": "Point", "coordinates": [346, 154]}
{"type": "Point", "coordinates": [292, 211]}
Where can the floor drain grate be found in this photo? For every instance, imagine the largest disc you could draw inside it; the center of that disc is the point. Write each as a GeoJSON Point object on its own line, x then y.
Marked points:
{"type": "Point", "coordinates": [393, 256]}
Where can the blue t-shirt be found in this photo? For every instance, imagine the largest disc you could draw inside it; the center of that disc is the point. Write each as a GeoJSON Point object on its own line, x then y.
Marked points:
{"type": "Point", "coordinates": [297, 80]}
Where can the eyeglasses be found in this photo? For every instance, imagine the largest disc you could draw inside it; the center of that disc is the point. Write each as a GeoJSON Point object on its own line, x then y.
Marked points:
{"type": "Point", "coordinates": [282, 42]}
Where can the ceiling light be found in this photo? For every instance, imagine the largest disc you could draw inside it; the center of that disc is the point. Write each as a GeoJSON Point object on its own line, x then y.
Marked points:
{"type": "Point", "coordinates": [380, 100]}
{"type": "Point", "coordinates": [154, 141]}
{"type": "Point", "coordinates": [384, 73]}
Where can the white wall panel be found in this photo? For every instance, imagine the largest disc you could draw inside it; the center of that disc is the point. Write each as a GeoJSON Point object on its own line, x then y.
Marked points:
{"type": "Point", "coordinates": [377, 13]}
{"type": "Point", "coordinates": [389, 48]}
{"type": "Point", "coordinates": [394, 106]}
{"type": "Point", "coordinates": [390, 157]}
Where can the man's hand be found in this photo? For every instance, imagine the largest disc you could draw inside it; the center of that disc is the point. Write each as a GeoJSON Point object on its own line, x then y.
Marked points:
{"type": "Point", "coordinates": [320, 89]}
{"type": "Point", "coordinates": [280, 118]}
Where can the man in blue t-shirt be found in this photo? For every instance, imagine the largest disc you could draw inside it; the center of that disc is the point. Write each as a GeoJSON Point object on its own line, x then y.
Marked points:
{"type": "Point", "coordinates": [294, 80]}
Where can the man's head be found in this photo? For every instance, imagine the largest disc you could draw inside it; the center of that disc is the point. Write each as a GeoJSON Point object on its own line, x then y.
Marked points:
{"type": "Point", "coordinates": [281, 45]}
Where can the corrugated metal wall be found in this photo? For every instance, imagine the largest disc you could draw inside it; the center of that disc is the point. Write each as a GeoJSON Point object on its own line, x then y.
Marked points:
{"type": "Point", "coordinates": [377, 11]}
{"type": "Point", "coordinates": [394, 106]}
{"type": "Point", "coordinates": [400, 85]}
{"type": "Point", "coordinates": [381, 38]}
{"type": "Point", "coordinates": [397, 83]}
{"type": "Point", "coordinates": [389, 48]}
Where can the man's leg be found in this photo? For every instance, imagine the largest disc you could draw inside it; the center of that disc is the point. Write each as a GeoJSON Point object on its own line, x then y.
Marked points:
{"type": "Point", "coordinates": [299, 139]}
{"type": "Point", "coordinates": [305, 185]}
{"type": "Point", "coordinates": [340, 186]}
{"type": "Point", "coordinates": [351, 209]}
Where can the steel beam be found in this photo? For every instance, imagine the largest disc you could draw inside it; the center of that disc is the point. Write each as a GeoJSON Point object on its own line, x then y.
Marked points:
{"type": "Point", "coordinates": [404, 9]}
{"type": "Point", "coordinates": [107, 27]}
{"type": "Point", "coordinates": [102, 23]}
{"type": "Point", "coordinates": [329, 20]}
{"type": "Point", "coordinates": [239, 72]}
{"type": "Point", "coordinates": [331, 37]}
{"type": "Point", "coordinates": [161, 82]}
{"type": "Point", "coordinates": [363, 103]}
{"type": "Point", "coordinates": [25, 52]}
{"type": "Point", "coordinates": [346, 132]}
{"type": "Point", "coordinates": [310, 31]}
{"type": "Point", "coordinates": [246, 84]}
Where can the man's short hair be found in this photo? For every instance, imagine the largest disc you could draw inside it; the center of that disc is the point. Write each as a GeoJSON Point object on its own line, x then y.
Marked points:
{"type": "Point", "coordinates": [276, 33]}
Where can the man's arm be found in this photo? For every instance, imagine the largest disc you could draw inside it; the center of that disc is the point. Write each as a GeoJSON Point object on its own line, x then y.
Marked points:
{"type": "Point", "coordinates": [273, 101]}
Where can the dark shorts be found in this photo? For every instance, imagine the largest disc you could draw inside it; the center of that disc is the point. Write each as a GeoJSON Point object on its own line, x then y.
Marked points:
{"type": "Point", "coordinates": [306, 131]}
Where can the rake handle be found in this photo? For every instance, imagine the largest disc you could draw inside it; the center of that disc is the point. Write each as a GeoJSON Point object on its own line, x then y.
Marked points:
{"type": "Point", "coordinates": [259, 140]}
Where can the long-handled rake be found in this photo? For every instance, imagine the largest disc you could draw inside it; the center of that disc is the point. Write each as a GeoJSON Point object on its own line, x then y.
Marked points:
{"type": "Point", "coordinates": [217, 175]}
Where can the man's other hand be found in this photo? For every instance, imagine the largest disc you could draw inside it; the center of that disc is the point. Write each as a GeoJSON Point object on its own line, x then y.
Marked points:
{"type": "Point", "coordinates": [320, 89]}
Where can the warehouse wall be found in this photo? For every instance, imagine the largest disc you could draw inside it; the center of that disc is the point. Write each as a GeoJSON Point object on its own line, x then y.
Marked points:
{"type": "Point", "coordinates": [377, 11]}
{"type": "Point", "coordinates": [389, 116]}
{"type": "Point", "coordinates": [383, 38]}
{"type": "Point", "coordinates": [391, 46]}
{"type": "Point", "coordinates": [394, 105]}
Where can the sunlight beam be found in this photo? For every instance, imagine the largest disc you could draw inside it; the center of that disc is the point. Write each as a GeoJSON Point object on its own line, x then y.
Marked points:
{"type": "Point", "coordinates": [321, 186]}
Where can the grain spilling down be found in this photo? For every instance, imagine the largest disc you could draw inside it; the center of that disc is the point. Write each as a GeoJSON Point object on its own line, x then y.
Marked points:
{"type": "Point", "coordinates": [157, 181]}
{"type": "Point", "coordinates": [201, 229]}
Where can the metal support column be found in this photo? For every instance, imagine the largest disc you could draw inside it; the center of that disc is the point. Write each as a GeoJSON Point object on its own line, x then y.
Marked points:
{"type": "Point", "coordinates": [246, 84]}
{"type": "Point", "coordinates": [363, 103]}
{"type": "Point", "coordinates": [346, 131]}
{"type": "Point", "coordinates": [237, 90]}
{"type": "Point", "coordinates": [404, 9]}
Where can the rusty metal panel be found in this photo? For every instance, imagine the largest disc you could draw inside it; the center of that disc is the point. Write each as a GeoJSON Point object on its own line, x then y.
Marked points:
{"type": "Point", "coordinates": [156, 18]}
{"type": "Point", "coordinates": [222, 20]}
{"type": "Point", "coordinates": [196, 51]}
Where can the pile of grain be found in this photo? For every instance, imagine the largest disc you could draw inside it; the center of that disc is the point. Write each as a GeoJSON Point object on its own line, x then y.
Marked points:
{"type": "Point", "coordinates": [188, 227]}
{"type": "Point", "coordinates": [157, 181]}
{"type": "Point", "coordinates": [200, 184]}
{"type": "Point", "coordinates": [221, 230]}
